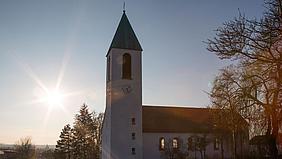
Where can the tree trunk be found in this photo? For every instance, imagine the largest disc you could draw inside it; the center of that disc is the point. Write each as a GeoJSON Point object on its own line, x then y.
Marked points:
{"type": "Point", "coordinates": [273, 137]}
{"type": "Point", "coordinates": [221, 147]}
{"type": "Point", "coordinates": [195, 151]}
{"type": "Point", "coordinates": [268, 130]}
{"type": "Point", "coordinates": [274, 118]}
{"type": "Point", "coordinates": [241, 145]}
{"type": "Point", "coordinates": [201, 154]}
{"type": "Point", "coordinates": [234, 145]}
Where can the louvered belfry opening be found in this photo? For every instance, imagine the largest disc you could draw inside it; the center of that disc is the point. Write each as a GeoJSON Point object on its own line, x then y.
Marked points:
{"type": "Point", "coordinates": [126, 66]}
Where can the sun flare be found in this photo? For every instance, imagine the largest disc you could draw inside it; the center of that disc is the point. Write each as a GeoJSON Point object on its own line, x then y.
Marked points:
{"type": "Point", "coordinates": [55, 98]}
{"type": "Point", "coordinates": [52, 97]}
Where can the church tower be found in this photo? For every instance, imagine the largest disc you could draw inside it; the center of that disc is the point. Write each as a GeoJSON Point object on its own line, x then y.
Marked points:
{"type": "Point", "coordinates": [122, 126]}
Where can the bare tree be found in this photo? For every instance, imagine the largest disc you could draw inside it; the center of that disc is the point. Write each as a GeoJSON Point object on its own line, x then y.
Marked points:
{"type": "Point", "coordinates": [173, 150]}
{"type": "Point", "coordinates": [256, 45]}
{"type": "Point", "coordinates": [201, 144]}
{"type": "Point", "coordinates": [197, 143]}
{"type": "Point", "coordinates": [47, 153]}
{"type": "Point", "coordinates": [98, 122]}
{"type": "Point", "coordinates": [227, 103]}
{"type": "Point", "coordinates": [25, 149]}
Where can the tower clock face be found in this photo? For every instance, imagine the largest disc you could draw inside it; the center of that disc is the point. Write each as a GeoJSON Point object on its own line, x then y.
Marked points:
{"type": "Point", "coordinates": [126, 89]}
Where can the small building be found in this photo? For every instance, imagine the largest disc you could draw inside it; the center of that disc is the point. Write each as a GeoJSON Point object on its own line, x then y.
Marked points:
{"type": "Point", "coordinates": [135, 131]}
{"type": "Point", "coordinates": [8, 154]}
{"type": "Point", "coordinates": [259, 146]}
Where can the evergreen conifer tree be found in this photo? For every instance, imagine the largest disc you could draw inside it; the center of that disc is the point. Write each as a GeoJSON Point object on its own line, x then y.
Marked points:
{"type": "Point", "coordinates": [83, 134]}
{"type": "Point", "coordinates": [84, 140]}
{"type": "Point", "coordinates": [64, 145]}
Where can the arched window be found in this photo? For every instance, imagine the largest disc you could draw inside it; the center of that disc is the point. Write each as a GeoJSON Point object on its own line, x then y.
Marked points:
{"type": "Point", "coordinates": [175, 143]}
{"type": "Point", "coordinates": [133, 122]}
{"type": "Point", "coordinates": [190, 143]}
{"type": "Point", "coordinates": [133, 152]}
{"type": "Point", "coordinates": [126, 66]}
{"type": "Point", "coordinates": [216, 143]}
{"type": "Point", "coordinates": [162, 143]}
{"type": "Point", "coordinates": [133, 136]}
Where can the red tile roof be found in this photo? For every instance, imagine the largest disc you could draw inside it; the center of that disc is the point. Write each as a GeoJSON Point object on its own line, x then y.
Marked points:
{"type": "Point", "coordinates": [164, 119]}
{"type": "Point", "coordinates": [176, 119]}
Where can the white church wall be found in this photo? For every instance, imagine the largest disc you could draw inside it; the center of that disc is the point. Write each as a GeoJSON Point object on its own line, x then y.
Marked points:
{"type": "Point", "coordinates": [151, 145]}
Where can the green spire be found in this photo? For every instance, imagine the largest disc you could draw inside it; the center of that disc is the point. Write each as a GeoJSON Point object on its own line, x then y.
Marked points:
{"type": "Point", "coordinates": [125, 37]}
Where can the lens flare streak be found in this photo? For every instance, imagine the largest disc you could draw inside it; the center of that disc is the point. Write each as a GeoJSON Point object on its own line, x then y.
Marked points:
{"type": "Point", "coordinates": [54, 98]}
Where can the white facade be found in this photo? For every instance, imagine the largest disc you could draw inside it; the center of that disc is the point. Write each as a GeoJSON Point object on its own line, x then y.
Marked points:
{"type": "Point", "coordinates": [152, 145]}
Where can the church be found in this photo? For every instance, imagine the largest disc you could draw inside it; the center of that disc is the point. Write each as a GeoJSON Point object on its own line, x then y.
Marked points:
{"type": "Point", "coordinates": [135, 131]}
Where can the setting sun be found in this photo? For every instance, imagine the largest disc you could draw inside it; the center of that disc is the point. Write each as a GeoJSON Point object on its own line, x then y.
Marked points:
{"type": "Point", "coordinates": [55, 98]}
{"type": "Point", "coordinates": [52, 98]}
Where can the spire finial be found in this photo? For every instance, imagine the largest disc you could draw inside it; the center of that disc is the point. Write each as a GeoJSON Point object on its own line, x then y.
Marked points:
{"type": "Point", "coordinates": [124, 7]}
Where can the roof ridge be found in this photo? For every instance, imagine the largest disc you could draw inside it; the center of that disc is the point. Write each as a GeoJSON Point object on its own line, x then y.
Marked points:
{"type": "Point", "coordinates": [174, 106]}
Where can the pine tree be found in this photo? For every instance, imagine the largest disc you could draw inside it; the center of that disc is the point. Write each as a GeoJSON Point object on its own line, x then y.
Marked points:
{"type": "Point", "coordinates": [83, 134]}
{"type": "Point", "coordinates": [84, 139]}
{"type": "Point", "coordinates": [64, 145]}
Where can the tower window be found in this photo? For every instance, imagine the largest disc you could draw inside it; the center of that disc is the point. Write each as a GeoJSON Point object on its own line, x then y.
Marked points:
{"type": "Point", "coordinates": [133, 136]}
{"type": "Point", "coordinates": [162, 143]}
{"type": "Point", "coordinates": [126, 66]}
{"type": "Point", "coordinates": [175, 143]}
{"type": "Point", "coordinates": [133, 151]}
{"type": "Point", "coordinates": [133, 121]}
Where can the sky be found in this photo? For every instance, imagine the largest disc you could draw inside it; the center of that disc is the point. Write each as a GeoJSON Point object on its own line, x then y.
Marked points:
{"type": "Point", "coordinates": [62, 44]}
